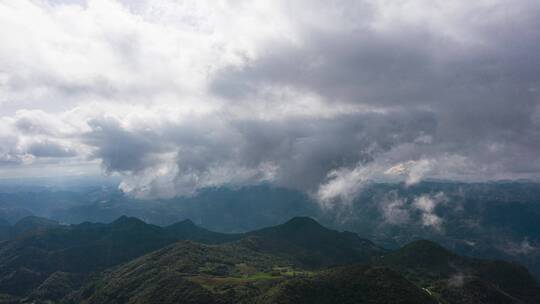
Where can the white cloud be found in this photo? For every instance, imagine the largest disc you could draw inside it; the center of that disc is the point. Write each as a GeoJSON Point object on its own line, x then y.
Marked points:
{"type": "Point", "coordinates": [413, 171]}
{"type": "Point", "coordinates": [520, 248]}
{"type": "Point", "coordinates": [427, 204]}
{"type": "Point", "coordinates": [178, 95]}
{"type": "Point", "coordinates": [344, 185]}
{"type": "Point", "coordinates": [395, 209]}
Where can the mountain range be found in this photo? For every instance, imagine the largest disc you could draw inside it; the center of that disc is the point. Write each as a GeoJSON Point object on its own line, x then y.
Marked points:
{"type": "Point", "coordinates": [496, 220]}
{"type": "Point", "coordinates": [299, 261]}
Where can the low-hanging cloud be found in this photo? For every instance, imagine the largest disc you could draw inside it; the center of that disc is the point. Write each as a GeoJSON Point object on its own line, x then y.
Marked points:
{"type": "Point", "coordinates": [395, 209]}
{"type": "Point", "coordinates": [421, 210]}
{"type": "Point", "coordinates": [427, 205]}
{"type": "Point", "coordinates": [179, 96]}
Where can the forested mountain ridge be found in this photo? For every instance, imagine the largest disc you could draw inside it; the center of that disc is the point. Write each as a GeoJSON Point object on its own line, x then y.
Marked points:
{"type": "Point", "coordinates": [299, 261]}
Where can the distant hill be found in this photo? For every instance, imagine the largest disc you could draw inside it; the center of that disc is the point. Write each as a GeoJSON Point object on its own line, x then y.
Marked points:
{"type": "Point", "coordinates": [485, 220]}
{"type": "Point", "coordinates": [31, 224]}
{"type": "Point", "coordinates": [462, 279]}
{"type": "Point", "coordinates": [300, 261]}
{"type": "Point", "coordinates": [311, 244]}
{"type": "Point", "coordinates": [89, 247]}
{"type": "Point", "coordinates": [26, 261]}
{"type": "Point", "coordinates": [421, 272]}
{"type": "Point", "coordinates": [12, 214]}
{"type": "Point", "coordinates": [187, 230]}
{"type": "Point", "coordinates": [25, 226]}
{"type": "Point", "coordinates": [352, 284]}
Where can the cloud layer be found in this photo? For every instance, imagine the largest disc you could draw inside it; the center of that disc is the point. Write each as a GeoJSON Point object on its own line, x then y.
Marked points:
{"type": "Point", "coordinates": [322, 96]}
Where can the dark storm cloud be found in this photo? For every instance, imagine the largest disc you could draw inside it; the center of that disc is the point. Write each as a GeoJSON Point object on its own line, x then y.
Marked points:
{"type": "Point", "coordinates": [303, 150]}
{"type": "Point", "coordinates": [306, 94]}
{"type": "Point", "coordinates": [344, 67]}
{"type": "Point", "coordinates": [307, 149]}
{"type": "Point", "coordinates": [119, 149]}
{"type": "Point", "coordinates": [483, 91]}
{"type": "Point", "coordinates": [49, 149]}
{"type": "Point", "coordinates": [407, 66]}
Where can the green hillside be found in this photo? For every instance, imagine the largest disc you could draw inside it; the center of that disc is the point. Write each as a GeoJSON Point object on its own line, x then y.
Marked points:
{"type": "Point", "coordinates": [194, 273]}
{"type": "Point", "coordinates": [312, 245]}
{"type": "Point", "coordinates": [26, 261]}
{"type": "Point", "coordinates": [300, 261]}
{"type": "Point", "coordinates": [459, 279]}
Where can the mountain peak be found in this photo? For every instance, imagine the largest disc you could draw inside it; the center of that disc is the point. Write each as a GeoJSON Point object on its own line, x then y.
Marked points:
{"type": "Point", "coordinates": [32, 222]}
{"type": "Point", "coordinates": [302, 222]}
{"type": "Point", "coordinates": [32, 219]}
{"type": "Point", "coordinates": [187, 222]}
{"type": "Point", "coordinates": [127, 220]}
{"type": "Point", "coordinates": [422, 253]}
{"type": "Point", "coordinates": [426, 246]}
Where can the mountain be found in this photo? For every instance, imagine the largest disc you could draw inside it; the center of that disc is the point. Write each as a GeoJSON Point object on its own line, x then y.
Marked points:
{"type": "Point", "coordinates": [218, 209]}
{"type": "Point", "coordinates": [299, 261]}
{"type": "Point", "coordinates": [485, 220]}
{"type": "Point", "coordinates": [185, 272]}
{"type": "Point", "coordinates": [352, 284]}
{"type": "Point", "coordinates": [25, 226]}
{"type": "Point", "coordinates": [425, 257]}
{"type": "Point", "coordinates": [25, 262]}
{"type": "Point", "coordinates": [88, 247]}
{"type": "Point", "coordinates": [187, 230]}
{"type": "Point", "coordinates": [57, 286]}
{"type": "Point", "coordinates": [459, 279]}
{"type": "Point", "coordinates": [12, 214]}
{"type": "Point", "coordinates": [311, 244]}
{"type": "Point", "coordinates": [32, 224]}
{"type": "Point", "coordinates": [421, 272]}
{"type": "Point", "coordinates": [231, 273]}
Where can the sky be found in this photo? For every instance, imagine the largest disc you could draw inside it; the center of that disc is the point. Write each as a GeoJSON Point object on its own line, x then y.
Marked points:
{"type": "Point", "coordinates": [319, 96]}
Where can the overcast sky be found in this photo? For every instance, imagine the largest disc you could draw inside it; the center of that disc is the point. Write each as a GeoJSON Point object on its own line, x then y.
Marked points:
{"type": "Point", "coordinates": [321, 96]}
